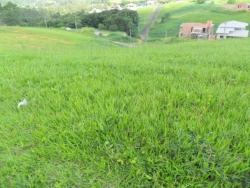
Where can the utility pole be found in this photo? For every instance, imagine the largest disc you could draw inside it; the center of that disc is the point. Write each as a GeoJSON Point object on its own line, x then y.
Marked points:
{"type": "Point", "coordinates": [45, 22]}
{"type": "Point", "coordinates": [76, 27]}
{"type": "Point", "coordinates": [44, 16]}
{"type": "Point", "coordinates": [130, 34]}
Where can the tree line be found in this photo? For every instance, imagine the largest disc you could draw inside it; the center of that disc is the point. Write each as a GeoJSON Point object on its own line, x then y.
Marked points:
{"type": "Point", "coordinates": [113, 20]}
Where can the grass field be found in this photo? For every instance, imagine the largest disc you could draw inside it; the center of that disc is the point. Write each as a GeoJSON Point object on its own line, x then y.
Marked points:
{"type": "Point", "coordinates": [191, 12]}
{"type": "Point", "coordinates": [104, 116]}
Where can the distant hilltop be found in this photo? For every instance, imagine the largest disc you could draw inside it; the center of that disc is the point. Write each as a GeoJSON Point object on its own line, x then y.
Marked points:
{"type": "Point", "coordinates": [73, 5]}
{"type": "Point", "coordinates": [37, 3]}
{"type": "Point", "coordinates": [45, 3]}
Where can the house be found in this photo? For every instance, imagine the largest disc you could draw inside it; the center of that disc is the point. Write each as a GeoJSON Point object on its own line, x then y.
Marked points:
{"type": "Point", "coordinates": [68, 29]}
{"type": "Point", "coordinates": [197, 30]}
{"type": "Point", "coordinates": [95, 10]}
{"type": "Point", "coordinates": [232, 29]}
{"type": "Point", "coordinates": [152, 2]}
{"type": "Point", "coordinates": [132, 6]}
{"type": "Point", "coordinates": [116, 7]}
{"type": "Point", "coordinates": [142, 4]}
{"type": "Point", "coordinates": [242, 6]}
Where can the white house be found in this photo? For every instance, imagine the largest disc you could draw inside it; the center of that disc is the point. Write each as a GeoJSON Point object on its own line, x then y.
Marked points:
{"type": "Point", "coordinates": [68, 29]}
{"type": "Point", "coordinates": [116, 7]}
{"type": "Point", "coordinates": [95, 10]}
{"type": "Point", "coordinates": [152, 2]}
{"type": "Point", "coordinates": [132, 6]}
{"type": "Point", "coordinates": [232, 29]}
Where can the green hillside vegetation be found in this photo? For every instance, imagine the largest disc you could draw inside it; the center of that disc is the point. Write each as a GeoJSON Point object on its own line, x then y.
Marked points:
{"type": "Point", "coordinates": [144, 16]}
{"type": "Point", "coordinates": [108, 36]}
{"type": "Point", "coordinates": [112, 20]}
{"type": "Point", "coordinates": [179, 13]}
{"type": "Point", "coordinates": [99, 115]}
{"type": "Point", "coordinates": [64, 5]}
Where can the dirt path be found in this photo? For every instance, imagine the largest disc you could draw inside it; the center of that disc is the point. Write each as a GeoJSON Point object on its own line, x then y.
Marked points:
{"type": "Point", "coordinates": [123, 44]}
{"type": "Point", "coordinates": [145, 32]}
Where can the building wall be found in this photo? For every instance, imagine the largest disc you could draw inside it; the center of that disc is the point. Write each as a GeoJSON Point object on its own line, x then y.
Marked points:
{"type": "Point", "coordinates": [186, 29]}
{"type": "Point", "coordinates": [243, 6]}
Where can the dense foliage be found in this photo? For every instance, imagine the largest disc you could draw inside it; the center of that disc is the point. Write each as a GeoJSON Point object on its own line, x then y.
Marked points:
{"type": "Point", "coordinates": [125, 20]}
{"type": "Point", "coordinates": [11, 14]}
{"type": "Point", "coordinates": [114, 20]}
{"type": "Point", "coordinates": [66, 5]}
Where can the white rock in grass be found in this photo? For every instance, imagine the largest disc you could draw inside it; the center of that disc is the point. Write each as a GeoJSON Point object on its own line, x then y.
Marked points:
{"type": "Point", "coordinates": [23, 103]}
{"type": "Point", "coordinates": [98, 33]}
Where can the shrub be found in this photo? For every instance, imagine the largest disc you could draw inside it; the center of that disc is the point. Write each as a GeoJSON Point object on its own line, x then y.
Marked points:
{"type": "Point", "coordinates": [113, 27]}
{"type": "Point", "coordinates": [231, 1]}
{"type": "Point", "coordinates": [165, 17]}
{"type": "Point", "coordinates": [114, 20]}
{"type": "Point", "coordinates": [201, 1]}
{"type": "Point", "coordinates": [101, 26]}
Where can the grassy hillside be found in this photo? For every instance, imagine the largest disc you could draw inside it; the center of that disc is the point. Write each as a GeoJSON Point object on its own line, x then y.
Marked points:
{"type": "Point", "coordinates": [189, 12]}
{"type": "Point", "coordinates": [144, 15]}
{"type": "Point", "coordinates": [104, 116]}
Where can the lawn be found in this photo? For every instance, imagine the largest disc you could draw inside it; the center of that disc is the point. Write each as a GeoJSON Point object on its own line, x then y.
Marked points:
{"type": "Point", "coordinates": [99, 115]}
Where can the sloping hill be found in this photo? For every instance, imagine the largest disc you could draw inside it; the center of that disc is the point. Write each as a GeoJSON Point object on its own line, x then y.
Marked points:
{"type": "Point", "coordinates": [144, 15]}
{"type": "Point", "coordinates": [99, 115]}
{"type": "Point", "coordinates": [150, 23]}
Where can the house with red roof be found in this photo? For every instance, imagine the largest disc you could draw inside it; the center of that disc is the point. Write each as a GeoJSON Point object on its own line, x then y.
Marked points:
{"type": "Point", "coordinates": [242, 6]}
{"type": "Point", "coordinates": [197, 30]}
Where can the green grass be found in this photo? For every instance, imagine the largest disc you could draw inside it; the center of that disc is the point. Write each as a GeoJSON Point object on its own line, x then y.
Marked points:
{"type": "Point", "coordinates": [188, 12]}
{"type": "Point", "coordinates": [103, 116]}
{"type": "Point", "coordinates": [109, 35]}
{"type": "Point", "coordinates": [144, 15]}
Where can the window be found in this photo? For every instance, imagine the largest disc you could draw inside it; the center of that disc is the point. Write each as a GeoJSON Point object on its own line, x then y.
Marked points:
{"type": "Point", "coordinates": [237, 29]}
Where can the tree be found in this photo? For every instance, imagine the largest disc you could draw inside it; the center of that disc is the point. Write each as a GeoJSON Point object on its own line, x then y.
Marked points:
{"type": "Point", "coordinates": [165, 17]}
{"type": "Point", "coordinates": [231, 1]}
{"type": "Point", "coordinates": [201, 1]}
{"type": "Point", "coordinates": [114, 20]}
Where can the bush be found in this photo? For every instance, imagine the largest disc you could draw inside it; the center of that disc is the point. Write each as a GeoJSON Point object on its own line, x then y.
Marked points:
{"type": "Point", "coordinates": [165, 17]}
{"type": "Point", "coordinates": [113, 28]}
{"type": "Point", "coordinates": [201, 1]}
{"type": "Point", "coordinates": [231, 1]}
{"type": "Point", "coordinates": [114, 20]}
{"type": "Point", "coordinates": [101, 26]}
